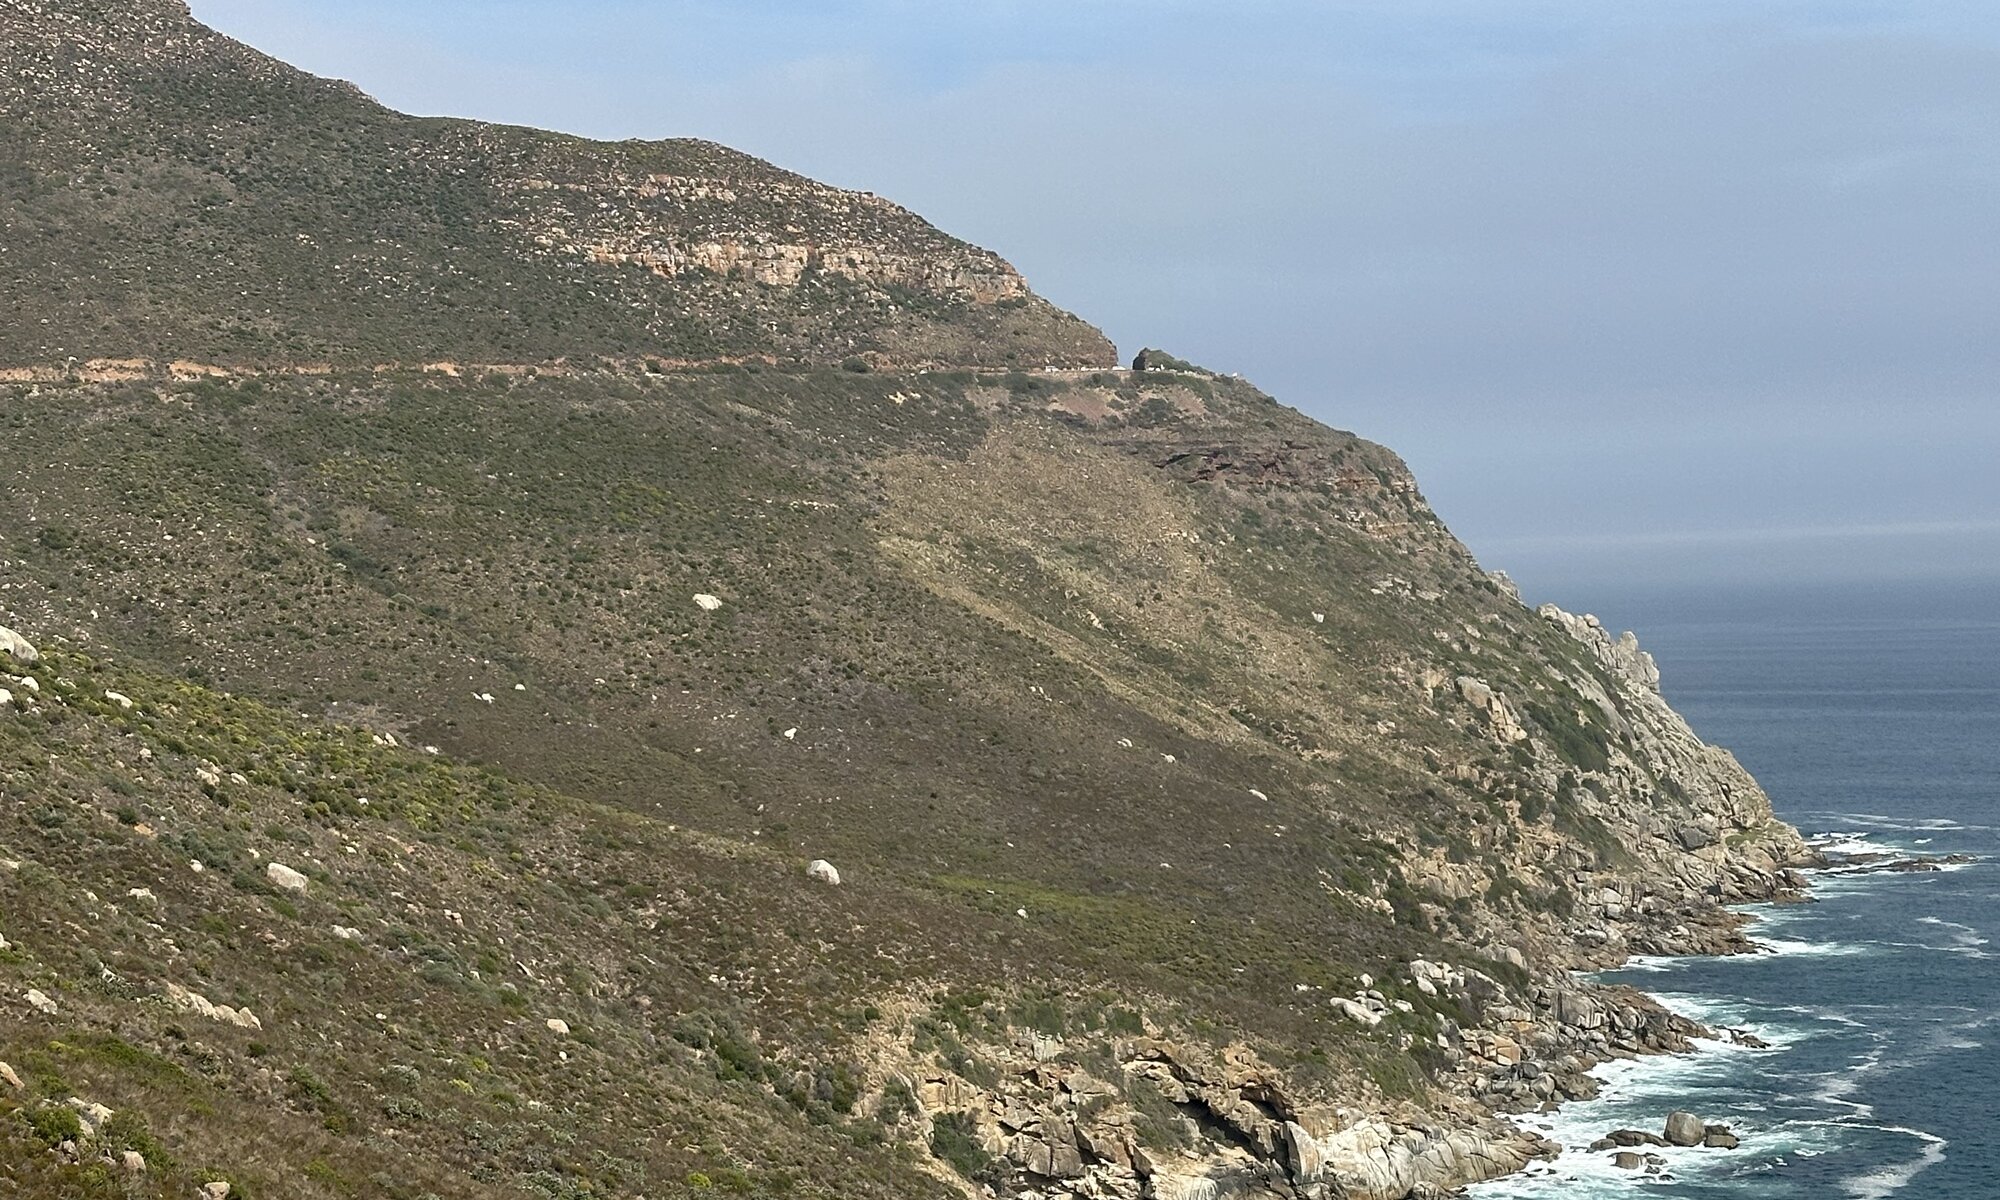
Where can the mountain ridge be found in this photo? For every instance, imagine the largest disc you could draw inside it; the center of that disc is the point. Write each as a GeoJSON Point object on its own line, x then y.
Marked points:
{"type": "Point", "coordinates": [343, 229]}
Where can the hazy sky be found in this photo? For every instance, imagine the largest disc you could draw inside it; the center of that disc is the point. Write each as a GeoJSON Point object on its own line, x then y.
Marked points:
{"type": "Point", "coordinates": [1646, 293]}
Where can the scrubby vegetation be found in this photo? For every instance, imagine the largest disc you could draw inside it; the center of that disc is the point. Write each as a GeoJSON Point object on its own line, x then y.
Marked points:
{"type": "Point", "coordinates": [1078, 699]}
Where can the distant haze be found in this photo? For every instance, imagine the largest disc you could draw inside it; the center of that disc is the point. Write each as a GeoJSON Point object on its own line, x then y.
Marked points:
{"type": "Point", "coordinates": [1704, 291]}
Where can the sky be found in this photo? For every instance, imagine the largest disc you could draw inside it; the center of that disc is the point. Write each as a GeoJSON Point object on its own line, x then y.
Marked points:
{"type": "Point", "coordinates": [1666, 294]}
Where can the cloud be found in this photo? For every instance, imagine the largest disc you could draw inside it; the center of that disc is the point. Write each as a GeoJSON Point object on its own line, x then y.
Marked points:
{"type": "Point", "coordinates": [1752, 536]}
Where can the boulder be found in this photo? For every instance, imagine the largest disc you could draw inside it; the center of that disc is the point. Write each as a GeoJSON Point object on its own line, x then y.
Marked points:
{"type": "Point", "coordinates": [1376, 1159]}
{"type": "Point", "coordinates": [215, 1191]}
{"type": "Point", "coordinates": [821, 871]}
{"type": "Point", "coordinates": [94, 1117]}
{"type": "Point", "coordinates": [1694, 837]}
{"type": "Point", "coordinates": [40, 1002]}
{"type": "Point", "coordinates": [201, 1005]}
{"type": "Point", "coordinates": [1480, 695]}
{"type": "Point", "coordinates": [284, 877]}
{"type": "Point", "coordinates": [1685, 1129]}
{"type": "Point", "coordinates": [135, 1162]}
{"type": "Point", "coordinates": [946, 1092]}
{"type": "Point", "coordinates": [1718, 1137]}
{"type": "Point", "coordinates": [558, 1026]}
{"type": "Point", "coordinates": [12, 1080]}
{"type": "Point", "coordinates": [707, 602]}
{"type": "Point", "coordinates": [1051, 1153]}
{"type": "Point", "coordinates": [1633, 1137]}
{"type": "Point", "coordinates": [1578, 1011]}
{"type": "Point", "coordinates": [18, 647]}
{"type": "Point", "coordinates": [1625, 1160]}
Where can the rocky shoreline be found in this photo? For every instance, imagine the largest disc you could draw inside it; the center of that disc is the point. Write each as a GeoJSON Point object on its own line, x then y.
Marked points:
{"type": "Point", "coordinates": [1054, 1123]}
{"type": "Point", "coordinates": [1659, 846]}
{"type": "Point", "coordinates": [1631, 1149]}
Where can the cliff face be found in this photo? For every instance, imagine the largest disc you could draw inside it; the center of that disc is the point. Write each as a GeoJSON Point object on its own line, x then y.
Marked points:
{"type": "Point", "coordinates": [414, 786]}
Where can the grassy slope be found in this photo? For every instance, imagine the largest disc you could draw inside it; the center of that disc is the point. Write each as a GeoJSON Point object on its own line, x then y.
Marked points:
{"type": "Point", "coordinates": [894, 591]}
{"type": "Point", "coordinates": [394, 555]}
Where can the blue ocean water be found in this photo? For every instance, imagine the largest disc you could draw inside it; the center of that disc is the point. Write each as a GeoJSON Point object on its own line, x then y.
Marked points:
{"type": "Point", "coordinates": [1874, 716]}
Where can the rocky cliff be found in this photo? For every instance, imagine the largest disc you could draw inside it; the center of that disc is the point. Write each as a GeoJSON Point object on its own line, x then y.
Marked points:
{"type": "Point", "coordinates": [436, 769]}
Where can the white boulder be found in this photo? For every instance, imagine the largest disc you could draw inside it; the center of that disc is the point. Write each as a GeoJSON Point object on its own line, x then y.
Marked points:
{"type": "Point", "coordinates": [93, 1116]}
{"type": "Point", "coordinates": [202, 1006]}
{"type": "Point", "coordinates": [284, 877]}
{"type": "Point", "coordinates": [822, 871]}
{"type": "Point", "coordinates": [18, 647]}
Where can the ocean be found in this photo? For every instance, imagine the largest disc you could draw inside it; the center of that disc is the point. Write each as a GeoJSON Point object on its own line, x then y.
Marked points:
{"type": "Point", "coordinates": [1871, 716]}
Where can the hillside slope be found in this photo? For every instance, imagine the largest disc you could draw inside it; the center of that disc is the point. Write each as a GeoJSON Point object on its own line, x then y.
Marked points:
{"type": "Point", "coordinates": [1207, 821]}
{"type": "Point", "coordinates": [1143, 717]}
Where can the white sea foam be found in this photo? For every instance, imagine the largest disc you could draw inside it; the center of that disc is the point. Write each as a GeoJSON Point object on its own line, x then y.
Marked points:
{"type": "Point", "coordinates": [1786, 946]}
{"type": "Point", "coordinates": [1850, 844]}
{"type": "Point", "coordinates": [1820, 1013]}
{"type": "Point", "coordinates": [1723, 1014]}
{"type": "Point", "coordinates": [1653, 963]}
{"type": "Point", "coordinates": [1893, 824]}
{"type": "Point", "coordinates": [1816, 1114]}
{"type": "Point", "coordinates": [1838, 1089]}
{"type": "Point", "coordinates": [1960, 939]}
{"type": "Point", "coordinates": [1633, 1093]}
{"type": "Point", "coordinates": [1887, 1181]}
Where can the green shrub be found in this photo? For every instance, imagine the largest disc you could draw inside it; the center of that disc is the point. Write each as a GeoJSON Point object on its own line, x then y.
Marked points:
{"type": "Point", "coordinates": [55, 1123]}
{"type": "Point", "coordinates": [897, 1102]}
{"type": "Point", "coordinates": [954, 1139]}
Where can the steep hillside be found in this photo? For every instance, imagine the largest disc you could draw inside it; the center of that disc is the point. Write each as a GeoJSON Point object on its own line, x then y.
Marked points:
{"type": "Point", "coordinates": [168, 194]}
{"type": "Point", "coordinates": [416, 775]}
{"type": "Point", "coordinates": [1133, 686]}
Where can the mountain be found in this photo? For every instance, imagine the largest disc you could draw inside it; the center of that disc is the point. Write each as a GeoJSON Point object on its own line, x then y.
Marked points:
{"type": "Point", "coordinates": [166, 193]}
{"type": "Point", "coordinates": [454, 613]}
